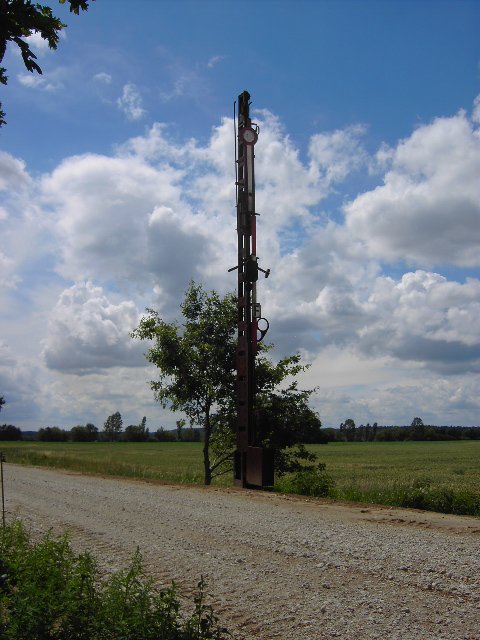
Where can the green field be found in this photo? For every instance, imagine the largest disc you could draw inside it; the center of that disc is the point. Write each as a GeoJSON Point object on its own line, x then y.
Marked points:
{"type": "Point", "coordinates": [170, 462]}
{"type": "Point", "coordinates": [378, 464]}
{"type": "Point", "coordinates": [443, 476]}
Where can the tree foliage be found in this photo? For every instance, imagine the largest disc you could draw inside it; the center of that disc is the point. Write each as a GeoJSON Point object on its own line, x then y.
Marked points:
{"type": "Point", "coordinates": [195, 360]}
{"type": "Point", "coordinates": [180, 424]}
{"type": "Point", "coordinates": [52, 434]}
{"type": "Point", "coordinates": [113, 426]}
{"type": "Point", "coordinates": [137, 432]}
{"type": "Point", "coordinates": [348, 428]}
{"type": "Point", "coordinates": [161, 435]}
{"type": "Point", "coordinates": [284, 416]}
{"type": "Point", "coordinates": [19, 19]}
{"type": "Point", "coordinates": [9, 432]}
{"type": "Point", "coordinates": [286, 422]}
{"type": "Point", "coordinates": [87, 433]}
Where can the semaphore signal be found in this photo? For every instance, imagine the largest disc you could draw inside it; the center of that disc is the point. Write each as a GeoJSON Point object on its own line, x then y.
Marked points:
{"type": "Point", "coordinates": [253, 463]}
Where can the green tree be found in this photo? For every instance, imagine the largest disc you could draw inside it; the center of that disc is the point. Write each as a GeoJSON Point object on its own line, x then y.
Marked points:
{"type": "Point", "coordinates": [9, 432]}
{"type": "Point", "coordinates": [417, 429]}
{"type": "Point", "coordinates": [87, 433]}
{"type": "Point", "coordinates": [113, 426]}
{"type": "Point", "coordinates": [180, 424]}
{"type": "Point", "coordinates": [348, 429]}
{"type": "Point", "coordinates": [91, 431]}
{"type": "Point", "coordinates": [197, 368]}
{"type": "Point", "coordinates": [284, 417]}
{"type": "Point", "coordinates": [137, 432]}
{"type": "Point", "coordinates": [196, 361]}
{"type": "Point", "coordinates": [164, 436]}
{"type": "Point", "coordinates": [19, 19]}
{"type": "Point", "coordinates": [191, 435]}
{"type": "Point", "coordinates": [52, 434]}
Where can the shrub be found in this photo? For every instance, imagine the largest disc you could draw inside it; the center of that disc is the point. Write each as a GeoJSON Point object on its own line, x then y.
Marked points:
{"type": "Point", "coordinates": [294, 459]}
{"type": "Point", "coordinates": [309, 482]}
{"type": "Point", "coordinates": [49, 593]}
{"type": "Point", "coordinates": [422, 495]}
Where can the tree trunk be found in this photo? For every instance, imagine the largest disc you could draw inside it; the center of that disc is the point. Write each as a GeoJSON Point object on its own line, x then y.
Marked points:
{"type": "Point", "coordinates": [206, 448]}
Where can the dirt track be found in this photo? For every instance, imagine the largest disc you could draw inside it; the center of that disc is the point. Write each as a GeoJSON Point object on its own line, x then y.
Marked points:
{"type": "Point", "coordinates": [277, 567]}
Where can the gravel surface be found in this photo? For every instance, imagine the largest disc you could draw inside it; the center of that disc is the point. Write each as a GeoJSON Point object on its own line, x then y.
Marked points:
{"type": "Point", "coordinates": [276, 566]}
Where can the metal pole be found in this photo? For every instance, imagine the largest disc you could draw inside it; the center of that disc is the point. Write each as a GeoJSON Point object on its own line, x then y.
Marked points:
{"type": "Point", "coordinates": [2, 460]}
{"type": "Point", "coordinates": [250, 461]}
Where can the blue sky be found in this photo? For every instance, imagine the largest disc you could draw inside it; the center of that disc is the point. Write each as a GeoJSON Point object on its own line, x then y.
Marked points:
{"type": "Point", "coordinates": [117, 187]}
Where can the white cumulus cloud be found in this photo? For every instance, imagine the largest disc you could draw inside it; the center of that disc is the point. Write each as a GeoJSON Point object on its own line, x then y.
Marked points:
{"type": "Point", "coordinates": [424, 318]}
{"type": "Point", "coordinates": [427, 212]}
{"type": "Point", "coordinates": [13, 174]}
{"type": "Point", "coordinates": [88, 333]}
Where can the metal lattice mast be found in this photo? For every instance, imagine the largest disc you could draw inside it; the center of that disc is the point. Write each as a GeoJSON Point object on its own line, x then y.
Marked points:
{"type": "Point", "coordinates": [249, 459]}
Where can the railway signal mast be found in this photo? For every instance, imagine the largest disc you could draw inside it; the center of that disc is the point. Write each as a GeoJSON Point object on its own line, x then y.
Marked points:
{"type": "Point", "coordinates": [253, 463]}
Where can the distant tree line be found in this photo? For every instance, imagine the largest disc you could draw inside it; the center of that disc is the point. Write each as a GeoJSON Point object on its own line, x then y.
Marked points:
{"type": "Point", "coordinates": [309, 433]}
{"type": "Point", "coordinates": [417, 430]}
{"type": "Point", "coordinates": [112, 432]}
{"type": "Point", "coordinates": [9, 432]}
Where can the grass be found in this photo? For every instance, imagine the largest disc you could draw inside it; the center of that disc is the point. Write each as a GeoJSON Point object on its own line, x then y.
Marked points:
{"type": "Point", "coordinates": [441, 476]}
{"type": "Point", "coordinates": [437, 476]}
{"type": "Point", "coordinates": [169, 462]}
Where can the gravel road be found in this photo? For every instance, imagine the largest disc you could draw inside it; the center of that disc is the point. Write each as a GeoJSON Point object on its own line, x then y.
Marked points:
{"type": "Point", "coordinates": [276, 566]}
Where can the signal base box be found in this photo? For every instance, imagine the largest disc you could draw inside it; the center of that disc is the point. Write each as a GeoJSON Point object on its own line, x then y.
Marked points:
{"type": "Point", "coordinates": [254, 467]}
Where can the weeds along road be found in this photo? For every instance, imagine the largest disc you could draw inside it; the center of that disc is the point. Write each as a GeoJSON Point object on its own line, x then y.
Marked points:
{"type": "Point", "coordinates": [276, 567]}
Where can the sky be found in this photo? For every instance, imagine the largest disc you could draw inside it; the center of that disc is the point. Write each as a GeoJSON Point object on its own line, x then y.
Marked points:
{"type": "Point", "coordinates": [117, 188]}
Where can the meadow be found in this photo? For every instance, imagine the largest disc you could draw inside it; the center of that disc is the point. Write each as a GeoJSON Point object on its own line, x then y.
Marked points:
{"type": "Point", "coordinates": [441, 475]}
{"type": "Point", "coordinates": [168, 462]}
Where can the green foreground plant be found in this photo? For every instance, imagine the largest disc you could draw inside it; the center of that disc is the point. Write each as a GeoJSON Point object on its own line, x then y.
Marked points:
{"type": "Point", "coordinates": [49, 593]}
